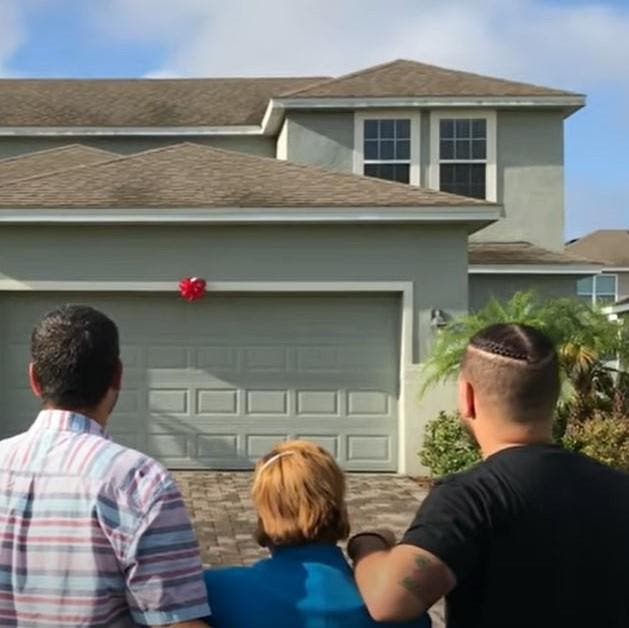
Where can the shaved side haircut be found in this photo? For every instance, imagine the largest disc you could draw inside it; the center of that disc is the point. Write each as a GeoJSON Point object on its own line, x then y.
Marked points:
{"type": "Point", "coordinates": [515, 368]}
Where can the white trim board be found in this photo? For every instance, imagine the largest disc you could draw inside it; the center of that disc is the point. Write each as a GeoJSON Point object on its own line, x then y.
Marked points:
{"type": "Point", "coordinates": [532, 269]}
{"type": "Point", "coordinates": [125, 131]}
{"type": "Point", "coordinates": [235, 215]}
{"type": "Point", "coordinates": [404, 288]}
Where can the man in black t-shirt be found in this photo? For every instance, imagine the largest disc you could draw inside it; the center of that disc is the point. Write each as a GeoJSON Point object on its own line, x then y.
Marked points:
{"type": "Point", "coordinates": [533, 537]}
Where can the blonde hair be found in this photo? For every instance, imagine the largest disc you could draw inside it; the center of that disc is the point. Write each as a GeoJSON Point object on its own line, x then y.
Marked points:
{"type": "Point", "coordinates": [299, 494]}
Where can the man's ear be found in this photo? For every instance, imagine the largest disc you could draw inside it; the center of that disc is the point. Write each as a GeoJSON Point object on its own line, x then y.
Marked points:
{"type": "Point", "coordinates": [32, 380]}
{"type": "Point", "coordinates": [116, 382]}
{"type": "Point", "coordinates": [467, 399]}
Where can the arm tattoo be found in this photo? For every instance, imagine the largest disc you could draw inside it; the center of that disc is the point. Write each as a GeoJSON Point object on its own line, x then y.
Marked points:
{"type": "Point", "coordinates": [410, 583]}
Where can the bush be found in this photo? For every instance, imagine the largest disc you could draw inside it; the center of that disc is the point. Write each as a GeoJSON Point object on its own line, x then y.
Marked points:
{"type": "Point", "coordinates": [605, 439]}
{"type": "Point", "coordinates": [447, 446]}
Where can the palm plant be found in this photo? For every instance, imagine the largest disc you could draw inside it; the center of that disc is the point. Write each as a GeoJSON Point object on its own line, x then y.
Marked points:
{"type": "Point", "coordinates": [585, 338]}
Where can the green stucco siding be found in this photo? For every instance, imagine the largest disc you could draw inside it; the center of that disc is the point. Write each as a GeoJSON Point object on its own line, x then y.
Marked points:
{"type": "Point", "coordinates": [502, 287]}
{"type": "Point", "coordinates": [323, 139]}
{"type": "Point", "coordinates": [530, 182]}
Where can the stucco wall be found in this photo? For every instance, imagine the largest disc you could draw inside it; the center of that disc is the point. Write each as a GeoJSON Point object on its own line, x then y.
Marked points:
{"type": "Point", "coordinates": [483, 287]}
{"type": "Point", "coordinates": [323, 139]}
{"type": "Point", "coordinates": [530, 179]}
{"type": "Point", "coordinates": [254, 144]}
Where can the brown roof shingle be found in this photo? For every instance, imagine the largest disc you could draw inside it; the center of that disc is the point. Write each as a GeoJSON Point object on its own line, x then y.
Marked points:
{"type": "Point", "coordinates": [140, 102]}
{"type": "Point", "coordinates": [611, 246]}
{"type": "Point", "coordinates": [50, 160]}
{"type": "Point", "coordinates": [404, 78]}
{"type": "Point", "coordinates": [520, 253]}
{"type": "Point", "coordinates": [192, 175]}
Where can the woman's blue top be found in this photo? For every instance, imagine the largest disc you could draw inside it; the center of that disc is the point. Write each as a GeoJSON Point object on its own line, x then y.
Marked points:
{"type": "Point", "coordinates": [307, 586]}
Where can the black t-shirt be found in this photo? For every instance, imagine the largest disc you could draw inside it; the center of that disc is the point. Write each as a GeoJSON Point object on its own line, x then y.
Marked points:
{"type": "Point", "coordinates": [537, 537]}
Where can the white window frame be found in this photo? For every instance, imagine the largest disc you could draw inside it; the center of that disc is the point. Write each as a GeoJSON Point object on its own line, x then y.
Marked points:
{"type": "Point", "coordinates": [594, 295]}
{"type": "Point", "coordinates": [394, 114]}
{"type": "Point", "coordinates": [490, 117]}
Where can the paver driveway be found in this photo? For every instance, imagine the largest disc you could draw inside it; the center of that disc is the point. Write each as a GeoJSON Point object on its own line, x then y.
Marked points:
{"type": "Point", "coordinates": [223, 516]}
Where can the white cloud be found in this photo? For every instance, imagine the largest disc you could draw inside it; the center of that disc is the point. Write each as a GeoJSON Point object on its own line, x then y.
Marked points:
{"type": "Point", "coordinates": [11, 33]}
{"type": "Point", "coordinates": [574, 45]}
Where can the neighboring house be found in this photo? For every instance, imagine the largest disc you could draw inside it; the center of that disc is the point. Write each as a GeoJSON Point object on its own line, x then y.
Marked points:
{"type": "Point", "coordinates": [611, 248]}
{"type": "Point", "coordinates": [323, 283]}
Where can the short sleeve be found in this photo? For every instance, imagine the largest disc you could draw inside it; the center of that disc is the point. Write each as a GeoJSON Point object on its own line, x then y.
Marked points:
{"type": "Point", "coordinates": [453, 524]}
{"type": "Point", "coordinates": [162, 564]}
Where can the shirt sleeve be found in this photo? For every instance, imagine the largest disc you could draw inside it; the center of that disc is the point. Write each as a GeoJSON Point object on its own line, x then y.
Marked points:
{"type": "Point", "coordinates": [452, 524]}
{"type": "Point", "coordinates": [162, 564]}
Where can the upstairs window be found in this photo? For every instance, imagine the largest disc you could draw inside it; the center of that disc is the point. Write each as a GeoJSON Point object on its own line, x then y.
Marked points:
{"type": "Point", "coordinates": [387, 149]}
{"type": "Point", "coordinates": [463, 156]}
{"type": "Point", "coordinates": [598, 290]}
{"type": "Point", "coordinates": [463, 147]}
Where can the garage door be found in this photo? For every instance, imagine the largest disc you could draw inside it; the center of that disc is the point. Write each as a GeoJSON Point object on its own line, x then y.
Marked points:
{"type": "Point", "coordinates": [215, 383]}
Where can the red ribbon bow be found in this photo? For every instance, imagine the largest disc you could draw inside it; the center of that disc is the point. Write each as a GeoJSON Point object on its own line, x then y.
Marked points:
{"type": "Point", "coordinates": [192, 288]}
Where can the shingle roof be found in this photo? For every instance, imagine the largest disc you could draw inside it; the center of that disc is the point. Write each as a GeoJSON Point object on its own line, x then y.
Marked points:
{"type": "Point", "coordinates": [611, 246]}
{"type": "Point", "coordinates": [140, 102]}
{"type": "Point", "coordinates": [520, 253]}
{"type": "Point", "coordinates": [51, 160]}
{"type": "Point", "coordinates": [195, 176]}
{"type": "Point", "coordinates": [403, 78]}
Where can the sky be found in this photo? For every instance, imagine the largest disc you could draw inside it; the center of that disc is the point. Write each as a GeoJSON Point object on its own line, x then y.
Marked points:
{"type": "Point", "coordinates": [579, 45]}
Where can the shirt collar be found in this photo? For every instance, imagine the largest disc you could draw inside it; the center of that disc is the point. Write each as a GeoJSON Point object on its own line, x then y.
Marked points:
{"type": "Point", "coordinates": [67, 421]}
{"type": "Point", "coordinates": [310, 552]}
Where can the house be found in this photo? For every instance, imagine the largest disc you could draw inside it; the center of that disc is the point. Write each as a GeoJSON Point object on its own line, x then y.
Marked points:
{"type": "Point", "coordinates": [336, 221]}
{"type": "Point", "coordinates": [611, 248]}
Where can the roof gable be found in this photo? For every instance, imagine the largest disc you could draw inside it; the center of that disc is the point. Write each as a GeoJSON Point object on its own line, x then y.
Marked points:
{"type": "Point", "coordinates": [50, 160]}
{"type": "Point", "coordinates": [404, 78]}
{"type": "Point", "coordinates": [195, 176]}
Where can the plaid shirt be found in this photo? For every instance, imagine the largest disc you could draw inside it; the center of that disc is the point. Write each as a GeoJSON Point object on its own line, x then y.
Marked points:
{"type": "Point", "coordinates": [92, 533]}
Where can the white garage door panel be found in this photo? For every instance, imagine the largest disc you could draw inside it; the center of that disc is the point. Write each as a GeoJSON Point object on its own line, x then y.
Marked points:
{"type": "Point", "coordinates": [216, 383]}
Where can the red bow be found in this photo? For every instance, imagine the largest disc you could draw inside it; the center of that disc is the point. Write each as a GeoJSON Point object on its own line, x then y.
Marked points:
{"type": "Point", "coordinates": [192, 288]}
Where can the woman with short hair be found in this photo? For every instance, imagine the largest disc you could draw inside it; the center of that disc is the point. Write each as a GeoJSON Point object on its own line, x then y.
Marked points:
{"type": "Point", "coordinates": [299, 495]}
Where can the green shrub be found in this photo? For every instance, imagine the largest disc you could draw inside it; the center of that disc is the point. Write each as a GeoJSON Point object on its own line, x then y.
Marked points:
{"type": "Point", "coordinates": [603, 438]}
{"type": "Point", "coordinates": [447, 447]}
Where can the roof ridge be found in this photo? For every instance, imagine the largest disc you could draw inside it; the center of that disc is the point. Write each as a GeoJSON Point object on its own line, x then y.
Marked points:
{"type": "Point", "coordinates": [127, 79]}
{"type": "Point", "coordinates": [55, 149]}
{"type": "Point", "coordinates": [342, 77]}
{"type": "Point", "coordinates": [116, 159]}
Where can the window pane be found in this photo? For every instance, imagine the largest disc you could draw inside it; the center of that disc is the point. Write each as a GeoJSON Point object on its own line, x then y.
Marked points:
{"type": "Point", "coordinates": [402, 173]}
{"type": "Point", "coordinates": [585, 286]}
{"type": "Point", "coordinates": [387, 128]}
{"type": "Point", "coordinates": [446, 149]}
{"type": "Point", "coordinates": [462, 149]}
{"type": "Point", "coordinates": [479, 127]}
{"type": "Point", "coordinates": [371, 129]}
{"type": "Point", "coordinates": [371, 170]}
{"type": "Point", "coordinates": [403, 129]}
{"type": "Point", "coordinates": [478, 149]}
{"type": "Point", "coordinates": [371, 149]}
{"type": "Point", "coordinates": [605, 285]}
{"type": "Point", "coordinates": [403, 149]}
{"type": "Point", "coordinates": [464, 179]}
{"type": "Point", "coordinates": [463, 128]}
{"type": "Point", "coordinates": [446, 129]}
{"type": "Point", "coordinates": [387, 149]}
{"type": "Point", "coordinates": [387, 171]}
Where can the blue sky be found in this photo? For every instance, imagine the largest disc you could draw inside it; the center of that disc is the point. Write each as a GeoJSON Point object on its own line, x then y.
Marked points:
{"type": "Point", "coordinates": [581, 45]}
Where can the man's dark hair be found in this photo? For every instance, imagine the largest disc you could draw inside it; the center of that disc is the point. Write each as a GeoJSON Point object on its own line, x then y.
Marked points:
{"type": "Point", "coordinates": [517, 367]}
{"type": "Point", "coordinates": [75, 355]}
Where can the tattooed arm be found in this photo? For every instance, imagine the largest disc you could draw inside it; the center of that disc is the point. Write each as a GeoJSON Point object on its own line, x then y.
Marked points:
{"type": "Point", "coordinates": [401, 583]}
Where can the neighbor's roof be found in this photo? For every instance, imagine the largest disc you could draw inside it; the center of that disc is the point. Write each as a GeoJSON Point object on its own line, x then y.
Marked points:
{"type": "Point", "coordinates": [403, 78]}
{"type": "Point", "coordinates": [195, 176]}
{"type": "Point", "coordinates": [611, 246]}
{"type": "Point", "coordinates": [520, 253]}
{"type": "Point", "coordinates": [140, 102]}
{"type": "Point", "coordinates": [51, 160]}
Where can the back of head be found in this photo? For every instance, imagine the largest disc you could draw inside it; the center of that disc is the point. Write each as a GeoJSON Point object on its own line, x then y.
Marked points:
{"type": "Point", "coordinates": [514, 370]}
{"type": "Point", "coordinates": [75, 356]}
{"type": "Point", "coordinates": [299, 495]}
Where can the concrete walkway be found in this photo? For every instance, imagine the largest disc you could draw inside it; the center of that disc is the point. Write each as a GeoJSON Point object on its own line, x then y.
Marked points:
{"type": "Point", "coordinates": [224, 520]}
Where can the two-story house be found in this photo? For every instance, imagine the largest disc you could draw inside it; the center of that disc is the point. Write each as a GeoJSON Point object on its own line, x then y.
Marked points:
{"type": "Point", "coordinates": [337, 222]}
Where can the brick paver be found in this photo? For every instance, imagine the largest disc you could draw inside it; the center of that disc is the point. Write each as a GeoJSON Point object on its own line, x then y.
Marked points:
{"type": "Point", "coordinates": [224, 519]}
